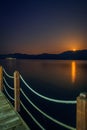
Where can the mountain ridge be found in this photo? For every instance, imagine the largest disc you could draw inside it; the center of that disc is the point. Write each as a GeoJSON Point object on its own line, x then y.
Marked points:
{"type": "Point", "coordinates": [66, 55]}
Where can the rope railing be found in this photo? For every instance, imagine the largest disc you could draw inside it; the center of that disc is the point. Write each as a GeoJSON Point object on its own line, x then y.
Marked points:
{"type": "Point", "coordinates": [33, 118]}
{"type": "Point", "coordinates": [9, 76]}
{"type": "Point", "coordinates": [7, 84]}
{"type": "Point", "coordinates": [42, 128]}
{"type": "Point", "coordinates": [8, 93]}
{"type": "Point", "coordinates": [47, 98]}
{"type": "Point", "coordinates": [46, 115]}
{"type": "Point", "coordinates": [80, 102]}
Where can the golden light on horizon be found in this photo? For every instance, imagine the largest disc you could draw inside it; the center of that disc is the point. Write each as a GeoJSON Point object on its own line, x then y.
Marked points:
{"type": "Point", "coordinates": [74, 49]}
{"type": "Point", "coordinates": [73, 71]}
{"type": "Point", "coordinates": [71, 43]}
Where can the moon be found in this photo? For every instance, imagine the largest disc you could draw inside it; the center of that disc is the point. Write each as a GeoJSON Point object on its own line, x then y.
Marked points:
{"type": "Point", "coordinates": [74, 49]}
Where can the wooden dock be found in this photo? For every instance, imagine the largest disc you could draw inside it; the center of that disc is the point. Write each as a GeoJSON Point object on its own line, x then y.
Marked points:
{"type": "Point", "coordinates": [9, 118]}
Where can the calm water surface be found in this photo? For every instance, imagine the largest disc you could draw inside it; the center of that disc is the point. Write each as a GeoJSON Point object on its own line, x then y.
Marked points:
{"type": "Point", "coordinates": [56, 79]}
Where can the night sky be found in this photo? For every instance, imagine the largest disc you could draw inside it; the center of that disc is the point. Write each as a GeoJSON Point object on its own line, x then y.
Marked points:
{"type": "Point", "coordinates": [42, 26]}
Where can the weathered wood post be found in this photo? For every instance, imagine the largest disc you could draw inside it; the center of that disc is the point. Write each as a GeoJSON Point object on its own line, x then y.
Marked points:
{"type": "Point", "coordinates": [17, 90]}
{"type": "Point", "coordinates": [1, 78]}
{"type": "Point", "coordinates": [82, 112]}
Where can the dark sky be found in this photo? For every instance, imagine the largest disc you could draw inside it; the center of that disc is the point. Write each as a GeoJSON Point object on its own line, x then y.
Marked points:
{"type": "Point", "coordinates": [42, 26]}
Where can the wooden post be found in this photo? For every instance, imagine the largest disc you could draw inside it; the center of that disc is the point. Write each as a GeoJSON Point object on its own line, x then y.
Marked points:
{"type": "Point", "coordinates": [82, 112]}
{"type": "Point", "coordinates": [1, 78]}
{"type": "Point", "coordinates": [17, 90]}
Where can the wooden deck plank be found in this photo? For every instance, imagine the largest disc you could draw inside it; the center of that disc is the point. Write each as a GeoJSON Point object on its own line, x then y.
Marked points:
{"type": "Point", "coordinates": [9, 118]}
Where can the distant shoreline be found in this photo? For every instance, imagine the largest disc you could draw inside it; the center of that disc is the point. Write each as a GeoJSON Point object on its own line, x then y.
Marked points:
{"type": "Point", "coordinates": [67, 55]}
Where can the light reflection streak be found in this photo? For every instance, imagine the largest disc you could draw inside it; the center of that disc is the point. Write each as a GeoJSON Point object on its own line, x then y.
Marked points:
{"type": "Point", "coordinates": [73, 71]}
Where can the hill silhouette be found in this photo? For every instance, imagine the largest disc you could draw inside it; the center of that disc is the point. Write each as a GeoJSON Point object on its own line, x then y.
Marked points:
{"type": "Point", "coordinates": [67, 55]}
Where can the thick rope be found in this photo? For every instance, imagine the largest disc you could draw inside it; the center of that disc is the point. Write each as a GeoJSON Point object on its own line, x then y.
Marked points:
{"type": "Point", "coordinates": [42, 128]}
{"type": "Point", "coordinates": [9, 76]}
{"type": "Point", "coordinates": [46, 115]}
{"type": "Point", "coordinates": [7, 84]}
{"type": "Point", "coordinates": [8, 94]}
{"type": "Point", "coordinates": [47, 98]}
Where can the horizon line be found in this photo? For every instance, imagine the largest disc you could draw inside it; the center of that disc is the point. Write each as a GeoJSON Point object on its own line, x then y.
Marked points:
{"type": "Point", "coordinates": [45, 52]}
